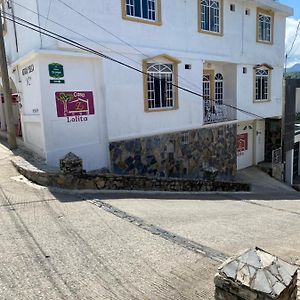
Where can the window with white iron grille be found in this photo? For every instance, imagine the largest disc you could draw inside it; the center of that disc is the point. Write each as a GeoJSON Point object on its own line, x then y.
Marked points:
{"type": "Point", "coordinates": [211, 16]}
{"type": "Point", "coordinates": [147, 10]}
{"type": "Point", "coordinates": [160, 86]}
{"type": "Point", "coordinates": [262, 84]}
{"type": "Point", "coordinates": [265, 21]}
{"type": "Point", "coordinates": [219, 88]}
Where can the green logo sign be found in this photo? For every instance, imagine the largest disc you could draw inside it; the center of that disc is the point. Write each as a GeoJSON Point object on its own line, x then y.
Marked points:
{"type": "Point", "coordinates": [56, 71]}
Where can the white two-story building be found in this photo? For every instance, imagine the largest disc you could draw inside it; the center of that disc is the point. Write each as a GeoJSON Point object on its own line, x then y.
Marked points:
{"type": "Point", "coordinates": [205, 88]}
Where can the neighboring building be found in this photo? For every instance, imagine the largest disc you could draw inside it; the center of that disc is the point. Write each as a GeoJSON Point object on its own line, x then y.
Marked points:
{"type": "Point", "coordinates": [230, 51]}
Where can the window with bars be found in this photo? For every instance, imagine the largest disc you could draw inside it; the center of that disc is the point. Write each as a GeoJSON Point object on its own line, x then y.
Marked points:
{"type": "Point", "coordinates": [206, 87]}
{"type": "Point", "coordinates": [265, 25]}
{"type": "Point", "coordinates": [211, 16]}
{"type": "Point", "coordinates": [142, 9]}
{"type": "Point", "coordinates": [262, 84]}
{"type": "Point", "coordinates": [219, 88]}
{"type": "Point", "coordinates": [160, 89]}
{"type": "Point", "coordinates": [264, 28]}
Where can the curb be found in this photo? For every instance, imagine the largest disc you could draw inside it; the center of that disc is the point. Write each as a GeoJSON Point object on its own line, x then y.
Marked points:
{"type": "Point", "coordinates": [110, 182]}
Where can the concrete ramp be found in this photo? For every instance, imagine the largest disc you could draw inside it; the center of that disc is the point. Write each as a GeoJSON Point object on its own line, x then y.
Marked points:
{"type": "Point", "coordinates": [262, 182]}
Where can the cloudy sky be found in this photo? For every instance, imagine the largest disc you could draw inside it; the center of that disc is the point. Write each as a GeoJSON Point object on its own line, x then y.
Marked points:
{"type": "Point", "coordinates": [291, 30]}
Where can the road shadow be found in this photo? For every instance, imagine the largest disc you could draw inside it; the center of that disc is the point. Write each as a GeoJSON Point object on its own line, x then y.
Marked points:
{"type": "Point", "coordinates": [73, 196]}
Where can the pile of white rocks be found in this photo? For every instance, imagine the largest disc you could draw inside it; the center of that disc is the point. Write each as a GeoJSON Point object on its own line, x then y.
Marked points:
{"type": "Point", "coordinates": [256, 274]}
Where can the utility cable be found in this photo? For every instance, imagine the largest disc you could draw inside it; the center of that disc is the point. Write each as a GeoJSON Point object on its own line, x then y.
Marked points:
{"type": "Point", "coordinates": [292, 46]}
{"type": "Point", "coordinates": [75, 44]}
{"type": "Point", "coordinates": [105, 30]}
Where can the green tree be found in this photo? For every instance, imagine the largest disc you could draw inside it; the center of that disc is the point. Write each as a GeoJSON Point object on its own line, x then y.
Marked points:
{"type": "Point", "coordinates": [65, 98]}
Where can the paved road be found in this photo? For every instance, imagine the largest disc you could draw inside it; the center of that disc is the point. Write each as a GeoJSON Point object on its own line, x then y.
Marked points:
{"type": "Point", "coordinates": [54, 247]}
{"type": "Point", "coordinates": [58, 246]}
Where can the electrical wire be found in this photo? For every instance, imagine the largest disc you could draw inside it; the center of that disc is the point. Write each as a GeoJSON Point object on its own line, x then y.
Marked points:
{"type": "Point", "coordinates": [105, 30]}
{"type": "Point", "coordinates": [43, 31]}
{"type": "Point", "coordinates": [123, 41]}
{"type": "Point", "coordinates": [292, 46]}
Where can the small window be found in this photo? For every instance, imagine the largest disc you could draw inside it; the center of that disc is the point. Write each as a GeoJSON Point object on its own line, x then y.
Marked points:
{"type": "Point", "coordinates": [262, 84]}
{"type": "Point", "coordinates": [264, 26]}
{"type": "Point", "coordinates": [244, 70]}
{"type": "Point", "coordinates": [232, 7]}
{"type": "Point", "coordinates": [247, 11]}
{"type": "Point", "coordinates": [161, 80]}
{"type": "Point", "coordinates": [211, 16]}
{"type": "Point", "coordinates": [142, 10]}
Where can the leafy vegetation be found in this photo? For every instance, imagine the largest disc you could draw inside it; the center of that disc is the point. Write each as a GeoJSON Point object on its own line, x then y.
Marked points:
{"type": "Point", "coordinates": [293, 75]}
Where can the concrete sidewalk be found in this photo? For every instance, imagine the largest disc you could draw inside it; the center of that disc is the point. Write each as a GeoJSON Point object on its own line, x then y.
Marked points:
{"type": "Point", "coordinates": [261, 182]}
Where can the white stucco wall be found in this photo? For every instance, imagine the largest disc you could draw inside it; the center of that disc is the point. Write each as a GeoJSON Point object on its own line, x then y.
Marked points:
{"type": "Point", "coordinates": [31, 105]}
{"type": "Point", "coordinates": [245, 94]}
{"type": "Point", "coordinates": [118, 91]}
{"type": "Point", "coordinates": [86, 139]}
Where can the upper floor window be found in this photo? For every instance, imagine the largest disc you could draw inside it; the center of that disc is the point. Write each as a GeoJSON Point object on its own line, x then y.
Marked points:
{"type": "Point", "coordinates": [211, 16]}
{"type": "Point", "coordinates": [262, 83]}
{"type": "Point", "coordinates": [160, 83]}
{"type": "Point", "coordinates": [265, 21]}
{"type": "Point", "coordinates": [146, 11]}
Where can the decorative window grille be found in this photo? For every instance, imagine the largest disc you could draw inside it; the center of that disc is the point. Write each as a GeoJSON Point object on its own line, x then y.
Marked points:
{"type": "Point", "coordinates": [219, 88]}
{"type": "Point", "coordinates": [206, 87]}
{"type": "Point", "coordinates": [264, 28]}
{"type": "Point", "coordinates": [143, 9]}
{"type": "Point", "coordinates": [262, 84]}
{"type": "Point", "coordinates": [210, 16]}
{"type": "Point", "coordinates": [160, 86]}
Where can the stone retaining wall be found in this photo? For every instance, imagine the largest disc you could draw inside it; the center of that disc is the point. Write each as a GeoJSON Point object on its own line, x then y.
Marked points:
{"type": "Point", "coordinates": [116, 182]}
{"type": "Point", "coordinates": [181, 154]}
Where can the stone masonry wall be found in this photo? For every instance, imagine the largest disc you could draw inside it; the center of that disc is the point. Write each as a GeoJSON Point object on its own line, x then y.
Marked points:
{"type": "Point", "coordinates": [123, 182]}
{"type": "Point", "coordinates": [182, 154]}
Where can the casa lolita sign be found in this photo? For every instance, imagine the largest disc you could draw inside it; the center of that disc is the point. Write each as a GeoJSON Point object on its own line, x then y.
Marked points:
{"type": "Point", "coordinates": [75, 106]}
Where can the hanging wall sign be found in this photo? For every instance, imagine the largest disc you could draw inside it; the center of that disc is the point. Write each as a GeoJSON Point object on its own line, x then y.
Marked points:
{"type": "Point", "coordinates": [75, 106]}
{"type": "Point", "coordinates": [56, 73]}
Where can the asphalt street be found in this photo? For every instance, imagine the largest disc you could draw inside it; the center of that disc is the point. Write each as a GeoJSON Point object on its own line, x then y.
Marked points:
{"type": "Point", "coordinates": [57, 245]}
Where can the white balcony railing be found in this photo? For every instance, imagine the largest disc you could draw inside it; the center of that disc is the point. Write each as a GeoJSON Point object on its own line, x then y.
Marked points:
{"type": "Point", "coordinates": [215, 113]}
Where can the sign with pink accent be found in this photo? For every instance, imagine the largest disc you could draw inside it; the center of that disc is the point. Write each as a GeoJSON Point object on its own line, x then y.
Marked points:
{"type": "Point", "coordinates": [242, 143]}
{"type": "Point", "coordinates": [75, 106]}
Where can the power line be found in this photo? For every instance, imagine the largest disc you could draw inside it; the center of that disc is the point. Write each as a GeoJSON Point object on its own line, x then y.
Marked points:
{"type": "Point", "coordinates": [73, 31]}
{"type": "Point", "coordinates": [126, 43]}
{"type": "Point", "coordinates": [105, 30]}
{"type": "Point", "coordinates": [292, 46]}
{"type": "Point", "coordinates": [294, 40]}
{"type": "Point", "coordinates": [75, 44]}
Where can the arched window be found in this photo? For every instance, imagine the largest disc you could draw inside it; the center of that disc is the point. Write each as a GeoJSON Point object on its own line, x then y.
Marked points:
{"type": "Point", "coordinates": [219, 88]}
{"type": "Point", "coordinates": [262, 84]}
{"type": "Point", "coordinates": [160, 88]}
{"type": "Point", "coordinates": [206, 87]}
{"type": "Point", "coordinates": [146, 11]}
{"type": "Point", "coordinates": [210, 12]}
{"type": "Point", "coordinates": [265, 19]}
{"type": "Point", "coordinates": [160, 83]}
